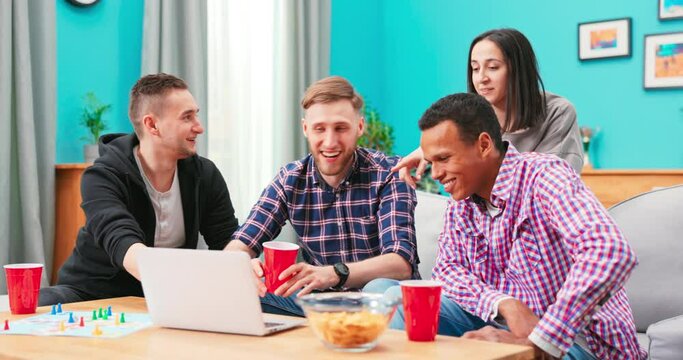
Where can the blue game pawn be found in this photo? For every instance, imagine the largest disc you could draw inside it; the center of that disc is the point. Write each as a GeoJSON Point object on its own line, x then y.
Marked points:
{"type": "Point", "coordinates": [71, 318]}
{"type": "Point", "coordinates": [54, 310]}
{"type": "Point", "coordinates": [59, 308]}
{"type": "Point", "coordinates": [109, 311]}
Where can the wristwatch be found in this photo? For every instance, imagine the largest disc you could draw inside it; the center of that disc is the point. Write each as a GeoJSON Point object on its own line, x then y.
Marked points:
{"type": "Point", "coordinates": [343, 272]}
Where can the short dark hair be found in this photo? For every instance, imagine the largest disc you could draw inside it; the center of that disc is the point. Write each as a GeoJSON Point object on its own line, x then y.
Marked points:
{"type": "Point", "coordinates": [150, 87]}
{"type": "Point", "coordinates": [471, 113]}
{"type": "Point", "coordinates": [525, 104]}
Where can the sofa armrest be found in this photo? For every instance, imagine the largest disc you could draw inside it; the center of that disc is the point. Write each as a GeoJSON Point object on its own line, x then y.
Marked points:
{"type": "Point", "coordinates": [666, 339]}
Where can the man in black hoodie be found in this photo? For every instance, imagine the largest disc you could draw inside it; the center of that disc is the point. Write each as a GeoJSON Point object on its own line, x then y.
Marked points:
{"type": "Point", "coordinates": [147, 189]}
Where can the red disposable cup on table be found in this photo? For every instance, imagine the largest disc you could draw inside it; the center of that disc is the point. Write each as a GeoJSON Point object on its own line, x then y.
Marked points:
{"type": "Point", "coordinates": [277, 256]}
{"type": "Point", "coordinates": [421, 306]}
{"type": "Point", "coordinates": [23, 286]}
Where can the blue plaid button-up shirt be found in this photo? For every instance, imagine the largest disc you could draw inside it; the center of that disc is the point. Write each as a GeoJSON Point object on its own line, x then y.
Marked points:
{"type": "Point", "coordinates": [371, 212]}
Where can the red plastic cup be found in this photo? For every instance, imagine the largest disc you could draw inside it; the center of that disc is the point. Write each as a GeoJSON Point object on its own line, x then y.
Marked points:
{"type": "Point", "coordinates": [278, 256]}
{"type": "Point", "coordinates": [421, 306]}
{"type": "Point", "coordinates": [23, 286]}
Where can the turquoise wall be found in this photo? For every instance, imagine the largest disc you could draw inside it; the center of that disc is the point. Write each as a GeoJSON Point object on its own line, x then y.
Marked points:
{"type": "Point", "coordinates": [405, 54]}
{"type": "Point", "coordinates": [98, 49]}
{"type": "Point", "coordinates": [357, 42]}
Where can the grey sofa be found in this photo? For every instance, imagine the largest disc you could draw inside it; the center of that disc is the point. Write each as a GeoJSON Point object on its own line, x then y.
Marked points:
{"type": "Point", "coordinates": [653, 225]}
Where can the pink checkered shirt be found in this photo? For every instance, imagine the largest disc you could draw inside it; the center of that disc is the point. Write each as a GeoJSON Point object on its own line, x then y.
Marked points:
{"type": "Point", "coordinates": [552, 246]}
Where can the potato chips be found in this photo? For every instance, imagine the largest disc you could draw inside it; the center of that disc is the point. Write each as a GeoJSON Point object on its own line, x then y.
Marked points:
{"type": "Point", "coordinates": [348, 329]}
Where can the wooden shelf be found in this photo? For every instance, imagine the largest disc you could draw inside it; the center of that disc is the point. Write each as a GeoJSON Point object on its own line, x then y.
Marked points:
{"type": "Point", "coordinates": [69, 216]}
{"type": "Point", "coordinates": [81, 166]}
{"type": "Point", "coordinates": [614, 186]}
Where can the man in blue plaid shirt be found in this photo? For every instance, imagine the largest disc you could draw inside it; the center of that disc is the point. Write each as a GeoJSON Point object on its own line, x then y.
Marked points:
{"type": "Point", "coordinates": [353, 216]}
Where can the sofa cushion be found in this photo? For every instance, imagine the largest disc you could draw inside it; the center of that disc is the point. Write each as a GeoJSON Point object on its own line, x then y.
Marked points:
{"type": "Point", "coordinates": [429, 218]}
{"type": "Point", "coordinates": [666, 339]}
{"type": "Point", "coordinates": [643, 340]}
{"type": "Point", "coordinates": [652, 225]}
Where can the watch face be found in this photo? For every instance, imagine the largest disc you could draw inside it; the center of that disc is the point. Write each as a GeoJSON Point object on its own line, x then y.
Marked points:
{"type": "Point", "coordinates": [341, 269]}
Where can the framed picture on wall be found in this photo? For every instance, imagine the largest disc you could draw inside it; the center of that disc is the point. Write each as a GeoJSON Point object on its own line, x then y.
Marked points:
{"type": "Point", "coordinates": [670, 9]}
{"type": "Point", "coordinates": [663, 62]}
{"type": "Point", "coordinates": [605, 39]}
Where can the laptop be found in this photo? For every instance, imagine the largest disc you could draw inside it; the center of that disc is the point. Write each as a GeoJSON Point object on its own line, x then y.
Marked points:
{"type": "Point", "coordinates": [205, 290]}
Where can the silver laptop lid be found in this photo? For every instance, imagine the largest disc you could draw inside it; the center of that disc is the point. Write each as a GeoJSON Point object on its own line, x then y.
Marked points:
{"type": "Point", "coordinates": [201, 290]}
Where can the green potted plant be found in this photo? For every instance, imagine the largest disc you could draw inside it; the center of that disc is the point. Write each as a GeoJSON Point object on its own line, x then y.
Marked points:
{"type": "Point", "coordinates": [379, 135]}
{"type": "Point", "coordinates": [91, 119]}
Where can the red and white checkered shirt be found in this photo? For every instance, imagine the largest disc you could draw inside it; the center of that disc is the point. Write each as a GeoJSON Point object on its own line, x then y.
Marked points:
{"type": "Point", "coordinates": [552, 246]}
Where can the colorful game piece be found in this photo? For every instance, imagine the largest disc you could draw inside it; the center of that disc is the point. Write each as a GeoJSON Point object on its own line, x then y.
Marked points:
{"type": "Point", "coordinates": [61, 326]}
{"type": "Point", "coordinates": [59, 308]}
{"type": "Point", "coordinates": [94, 314]}
{"type": "Point", "coordinates": [109, 311]}
{"type": "Point", "coordinates": [97, 331]}
{"type": "Point", "coordinates": [99, 313]}
{"type": "Point", "coordinates": [71, 318]}
{"type": "Point", "coordinates": [82, 324]}
{"type": "Point", "coordinates": [116, 321]}
{"type": "Point", "coordinates": [105, 316]}
{"type": "Point", "coordinates": [54, 310]}
{"type": "Point", "coordinates": [123, 318]}
{"type": "Point", "coordinates": [6, 324]}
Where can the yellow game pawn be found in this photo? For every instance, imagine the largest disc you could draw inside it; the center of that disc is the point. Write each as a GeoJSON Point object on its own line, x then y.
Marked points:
{"type": "Point", "coordinates": [97, 331]}
{"type": "Point", "coordinates": [116, 320]}
{"type": "Point", "coordinates": [61, 326]}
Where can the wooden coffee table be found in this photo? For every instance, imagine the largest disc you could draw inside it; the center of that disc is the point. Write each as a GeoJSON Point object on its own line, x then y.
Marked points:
{"type": "Point", "coordinates": [299, 343]}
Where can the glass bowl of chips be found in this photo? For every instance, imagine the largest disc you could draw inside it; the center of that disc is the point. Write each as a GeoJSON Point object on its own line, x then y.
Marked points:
{"type": "Point", "coordinates": [348, 321]}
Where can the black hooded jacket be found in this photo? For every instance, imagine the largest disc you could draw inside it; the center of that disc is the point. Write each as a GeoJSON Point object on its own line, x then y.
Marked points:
{"type": "Point", "coordinates": [119, 213]}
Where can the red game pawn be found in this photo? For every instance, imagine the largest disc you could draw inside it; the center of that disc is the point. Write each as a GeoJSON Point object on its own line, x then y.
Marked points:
{"type": "Point", "coordinates": [6, 324]}
{"type": "Point", "coordinates": [82, 324]}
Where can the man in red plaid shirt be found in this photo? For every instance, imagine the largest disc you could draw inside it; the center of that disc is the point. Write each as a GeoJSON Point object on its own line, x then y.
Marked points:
{"type": "Point", "coordinates": [527, 254]}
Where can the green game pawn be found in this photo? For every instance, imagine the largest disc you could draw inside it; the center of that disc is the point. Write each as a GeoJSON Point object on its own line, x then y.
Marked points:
{"type": "Point", "coordinates": [94, 314]}
{"type": "Point", "coordinates": [99, 313]}
{"type": "Point", "coordinates": [123, 318]}
{"type": "Point", "coordinates": [105, 316]}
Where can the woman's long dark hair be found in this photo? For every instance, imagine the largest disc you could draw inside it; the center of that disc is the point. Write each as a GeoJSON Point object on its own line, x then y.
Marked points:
{"type": "Point", "coordinates": [525, 101]}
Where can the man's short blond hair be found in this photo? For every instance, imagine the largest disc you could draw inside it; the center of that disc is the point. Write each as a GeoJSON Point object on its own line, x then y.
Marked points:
{"type": "Point", "coordinates": [331, 89]}
{"type": "Point", "coordinates": [149, 90]}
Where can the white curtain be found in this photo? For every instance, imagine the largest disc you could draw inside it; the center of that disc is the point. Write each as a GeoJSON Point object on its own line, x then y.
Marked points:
{"type": "Point", "coordinates": [261, 57]}
{"type": "Point", "coordinates": [27, 133]}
